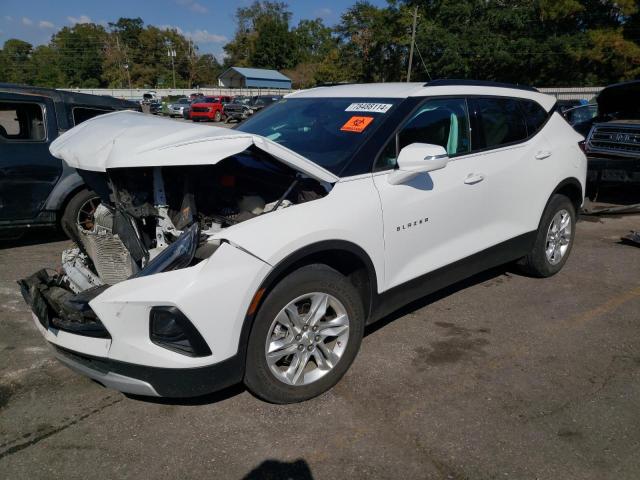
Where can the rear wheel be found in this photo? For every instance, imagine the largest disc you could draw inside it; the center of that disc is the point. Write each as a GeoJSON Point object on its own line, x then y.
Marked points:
{"type": "Point", "coordinates": [305, 336]}
{"type": "Point", "coordinates": [554, 239]}
{"type": "Point", "coordinates": [79, 212]}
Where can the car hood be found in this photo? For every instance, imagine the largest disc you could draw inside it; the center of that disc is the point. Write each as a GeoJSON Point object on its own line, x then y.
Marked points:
{"type": "Point", "coordinates": [132, 139]}
{"type": "Point", "coordinates": [621, 99]}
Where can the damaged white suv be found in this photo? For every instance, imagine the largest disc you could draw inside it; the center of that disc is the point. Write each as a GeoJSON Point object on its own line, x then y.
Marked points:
{"type": "Point", "coordinates": [259, 254]}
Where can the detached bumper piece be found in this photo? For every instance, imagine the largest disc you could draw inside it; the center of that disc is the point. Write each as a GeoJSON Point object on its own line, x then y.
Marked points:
{"type": "Point", "coordinates": [58, 307]}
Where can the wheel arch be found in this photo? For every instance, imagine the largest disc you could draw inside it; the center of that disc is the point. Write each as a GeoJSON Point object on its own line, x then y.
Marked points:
{"type": "Point", "coordinates": [572, 189]}
{"type": "Point", "coordinates": [344, 256]}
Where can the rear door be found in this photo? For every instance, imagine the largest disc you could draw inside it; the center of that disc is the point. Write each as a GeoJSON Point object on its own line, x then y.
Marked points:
{"type": "Point", "coordinates": [28, 172]}
{"type": "Point", "coordinates": [508, 152]}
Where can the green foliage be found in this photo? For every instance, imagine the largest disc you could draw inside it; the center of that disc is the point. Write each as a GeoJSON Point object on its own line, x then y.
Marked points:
{"type": "Point", "coordinates": [539, 42]}
{"type": "Point", "coordinates": [128, 53]}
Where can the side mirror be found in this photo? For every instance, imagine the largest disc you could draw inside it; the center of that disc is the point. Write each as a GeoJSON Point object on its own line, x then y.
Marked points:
{"type": "Point", "coordinates": [418, 158]}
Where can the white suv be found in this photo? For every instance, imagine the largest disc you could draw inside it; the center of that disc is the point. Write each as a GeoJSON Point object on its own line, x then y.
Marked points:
{"type": "Point", "coordinates": [259, 254]}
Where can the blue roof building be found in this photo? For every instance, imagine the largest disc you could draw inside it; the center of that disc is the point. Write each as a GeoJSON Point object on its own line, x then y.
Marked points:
{"type": "Point", "coordinates": [239, 77]}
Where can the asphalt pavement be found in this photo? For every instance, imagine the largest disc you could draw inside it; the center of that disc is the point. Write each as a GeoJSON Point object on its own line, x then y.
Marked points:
{"type": "Point", "coordinates": [502, 376]}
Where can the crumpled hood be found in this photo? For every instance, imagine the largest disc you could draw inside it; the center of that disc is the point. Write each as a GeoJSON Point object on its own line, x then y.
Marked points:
{"type": "Point", "coordinates": [132, 139]}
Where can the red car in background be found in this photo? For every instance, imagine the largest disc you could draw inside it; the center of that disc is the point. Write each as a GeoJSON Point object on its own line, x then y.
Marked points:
{"type": "Point", "coordinates": [209, 108]}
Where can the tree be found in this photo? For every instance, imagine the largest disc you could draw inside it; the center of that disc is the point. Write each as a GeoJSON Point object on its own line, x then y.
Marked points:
{"type": "Point", "coordinates": [17, 59]}
{"type": "Point", "coordinates": [80, 52]}
{"type": "Point", "coordinates": [262, 37]}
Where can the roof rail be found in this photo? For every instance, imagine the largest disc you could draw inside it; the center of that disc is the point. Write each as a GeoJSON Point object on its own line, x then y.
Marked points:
{"type": "Point", "coordinates": [478, 83]}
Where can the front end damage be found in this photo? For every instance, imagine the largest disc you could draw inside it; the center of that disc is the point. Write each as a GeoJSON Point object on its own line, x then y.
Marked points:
{"type": "Point", "coordinates": [151, 281]}
{"type": "Point", "coordinates": [158, 219]}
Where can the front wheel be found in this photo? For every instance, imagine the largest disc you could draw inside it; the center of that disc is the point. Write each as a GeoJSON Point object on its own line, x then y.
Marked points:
{"type": "Point", "coordinates": [217, 117]}
{"type": "Point", "coordinates": [305, 336]}
{"type": "Point", "coordinates": [554, 239]}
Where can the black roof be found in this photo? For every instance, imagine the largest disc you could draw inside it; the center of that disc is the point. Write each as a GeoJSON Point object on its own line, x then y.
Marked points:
{"type": "Point", "coordinates": [477, 83]}
{"type": "Point", "coordinates": [69, 97]}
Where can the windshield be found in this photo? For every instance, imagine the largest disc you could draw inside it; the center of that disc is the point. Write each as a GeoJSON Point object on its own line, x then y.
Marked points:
{"type": "Point", "coordinates": [327, 131]}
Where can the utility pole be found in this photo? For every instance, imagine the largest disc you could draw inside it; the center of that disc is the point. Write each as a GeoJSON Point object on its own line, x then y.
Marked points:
{"type": "Point", "coordinates": [172, 53]}
{"type": "Point", "coordinates": [126, 60]}
{"type": "Point", "coordinates": [413, 40]}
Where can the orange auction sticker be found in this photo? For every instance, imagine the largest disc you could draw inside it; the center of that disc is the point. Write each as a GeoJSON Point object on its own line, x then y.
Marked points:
{"type": "Point", "coordinates": [356, 124]}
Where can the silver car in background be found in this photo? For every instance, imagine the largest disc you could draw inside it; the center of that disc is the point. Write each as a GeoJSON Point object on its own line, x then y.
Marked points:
{"type": "Point", "coordinates": [176, 109]}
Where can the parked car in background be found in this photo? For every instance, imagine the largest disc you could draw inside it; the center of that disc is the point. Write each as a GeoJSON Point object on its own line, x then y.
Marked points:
{"type": "Point", "coordinates": [613, 141]}
{"type": "Point", "coordinates": [176, 108]}
{"type": "Point", "coordinates": [239, 108]}
{"type": "Point", "coordinates": [259, 254]}
{"type": "Point", "coordinates": [150, 103]}
{"type": "Point", "coordinates": [209, 108]}
{"type": "Point", "coordinates": [261, 101]}
{"type": "Point", "coordinates": [37, 189]}
{"type": "Point", "coordinates": [564, 105]}
{"type": "Point", "coordinates": [186, 110]}
{"type": "Point", "coordinates": [580, 117]}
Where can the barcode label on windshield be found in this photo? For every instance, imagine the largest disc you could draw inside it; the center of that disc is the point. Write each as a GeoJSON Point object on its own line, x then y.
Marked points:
{"type": "Point", "coordinates": [369, 107]}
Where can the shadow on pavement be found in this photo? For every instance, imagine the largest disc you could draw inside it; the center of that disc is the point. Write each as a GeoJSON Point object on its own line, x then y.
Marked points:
{"type": "Point", "coordinates": [208, 399]}
{"type": "Point", "coordinates": [508, 269]}
{"type": "Point", "coordinates": [276, 470]}
{"type": "Point", "coordinates": [33, 237]}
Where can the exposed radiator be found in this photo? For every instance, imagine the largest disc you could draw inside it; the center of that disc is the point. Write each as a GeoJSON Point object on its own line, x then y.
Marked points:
{"type": "Point", "coordinates": [109, 255]}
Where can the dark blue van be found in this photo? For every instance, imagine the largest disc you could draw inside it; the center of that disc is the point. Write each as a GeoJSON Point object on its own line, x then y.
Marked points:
{"type": "Point", "coordinates": [37, 189]}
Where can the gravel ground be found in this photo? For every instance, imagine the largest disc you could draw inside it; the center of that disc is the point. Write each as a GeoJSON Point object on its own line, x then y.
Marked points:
{"type": "Point", "coordinates": [502, 376]}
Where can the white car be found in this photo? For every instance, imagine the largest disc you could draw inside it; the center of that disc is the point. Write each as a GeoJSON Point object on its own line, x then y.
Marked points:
{"type": "Point", "coordinates": [259, 254]}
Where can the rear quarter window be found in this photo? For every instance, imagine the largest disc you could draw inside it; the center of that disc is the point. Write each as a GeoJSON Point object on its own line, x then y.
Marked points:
{"type": "Point", "coordinates": [498, 122]}
{"type": "Point", "coordinates": [82, 114]}
{"type": "Point", "coordinates": [535, 116]}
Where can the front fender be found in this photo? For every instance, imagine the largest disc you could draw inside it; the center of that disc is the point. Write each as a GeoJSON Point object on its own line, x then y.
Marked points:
{"type": "Point", "coordinates": [350, 213]}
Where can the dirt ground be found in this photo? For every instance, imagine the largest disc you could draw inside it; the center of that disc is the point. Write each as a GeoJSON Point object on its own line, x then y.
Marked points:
{"type": "Point", "coordinates": [502, 376]}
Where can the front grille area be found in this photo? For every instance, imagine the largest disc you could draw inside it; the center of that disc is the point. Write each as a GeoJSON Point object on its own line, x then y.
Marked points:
{"type": "Point", "coordinates": [200, 109]}
{"type": "Point", "coordinates": [621, 140]}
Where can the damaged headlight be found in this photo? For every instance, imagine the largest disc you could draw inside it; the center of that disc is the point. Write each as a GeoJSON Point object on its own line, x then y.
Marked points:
{"type": "Point", "coordinates": [177, 255]}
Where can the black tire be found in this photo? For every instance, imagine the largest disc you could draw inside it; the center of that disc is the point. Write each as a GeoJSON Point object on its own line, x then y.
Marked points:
{"type": "Point", "coordinates": [536, 263]}
{"type": "Point", "coordinates": [80, 201]}
{"type": "Point", "coordinates": [217, 117]}
{"type": "Point", "coordinates": [312, 278]}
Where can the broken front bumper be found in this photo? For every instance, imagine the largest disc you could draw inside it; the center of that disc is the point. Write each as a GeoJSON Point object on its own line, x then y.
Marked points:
{"type": "Point", "coordinates": [58, 307]}
{"type": "Point", "coordinates": [214, 295]}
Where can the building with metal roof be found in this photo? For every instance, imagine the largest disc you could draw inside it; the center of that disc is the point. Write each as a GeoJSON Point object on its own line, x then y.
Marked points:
{"type": "Point", "coordinates": [239, 77]}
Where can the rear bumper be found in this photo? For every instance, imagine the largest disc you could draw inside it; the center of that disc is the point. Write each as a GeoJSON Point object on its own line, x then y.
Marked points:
{"type": "Point", "coordinates": [603, 169]}
{"type": "Point", "coordinates": [154, 381]}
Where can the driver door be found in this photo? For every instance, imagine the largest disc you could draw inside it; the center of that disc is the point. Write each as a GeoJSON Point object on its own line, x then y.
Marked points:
{"type": "Point", "coordinates": [435, 218]}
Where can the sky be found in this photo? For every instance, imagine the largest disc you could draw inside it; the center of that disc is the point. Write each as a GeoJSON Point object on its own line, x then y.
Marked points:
{"type": "Point", "coordinates": [209, 23]}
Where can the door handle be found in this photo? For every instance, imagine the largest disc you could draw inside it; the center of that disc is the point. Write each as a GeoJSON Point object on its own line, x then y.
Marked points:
{"type": "Point", "coordinates": [474, 178]}
{"type": "Point", "coordinates": [543, 154]}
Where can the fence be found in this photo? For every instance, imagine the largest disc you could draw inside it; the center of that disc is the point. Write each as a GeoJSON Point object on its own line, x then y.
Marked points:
{"type": "Point", "coordinates": [578, 93]}
{"type": "Point", "coordinates": [136, 93]}
{"type": "Point", "coordinates": [570, 93]}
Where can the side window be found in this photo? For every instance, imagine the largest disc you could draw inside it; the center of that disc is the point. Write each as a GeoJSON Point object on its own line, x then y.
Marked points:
{"type": "Point", "coordinates": [81, 114]}
{"type": "Point", "coordinates": [499, 121]}
{"type": "Point", "coordinates": [21, 122]}
{"type": "Point", "coordinates": [441, 122]}
{"type": "Point", "coordinates": [534, 115]}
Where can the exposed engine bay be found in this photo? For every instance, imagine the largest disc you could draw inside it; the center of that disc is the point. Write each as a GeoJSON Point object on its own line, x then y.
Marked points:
{"type": "Point", "coordinates": [145, 210]}
{"type": "Point", "coordinates": [155, 219]}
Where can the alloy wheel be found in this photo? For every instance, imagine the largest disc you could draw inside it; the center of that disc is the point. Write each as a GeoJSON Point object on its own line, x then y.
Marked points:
{"type": "Point", "coordinates": [85, 218]}
{"type": "Point", "coordinates": [307, 338]}
{"type": "Point", "coordinates": [558, 237]}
